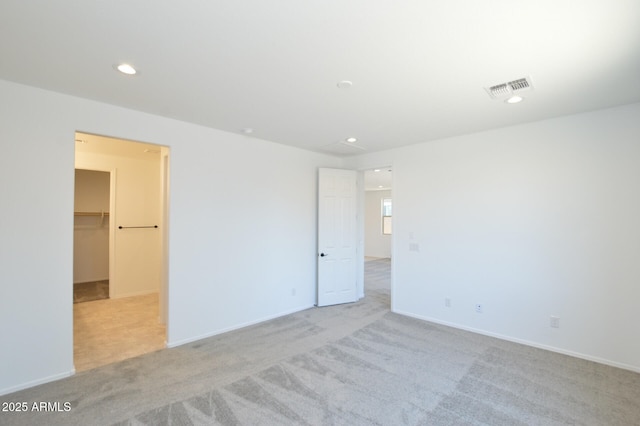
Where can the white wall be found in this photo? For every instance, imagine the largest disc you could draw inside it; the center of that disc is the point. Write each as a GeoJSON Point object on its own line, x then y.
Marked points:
{"type": "Point", "coordinates": [531, 221]}
{"type": "Point", "coordinates": [137, 253]}
{"type": "Point", "coordinates": [91, 233]}
{"type": "Point", "coordinates": [241, 237]}
{"type": "Point", "coordinates": [376, 244]}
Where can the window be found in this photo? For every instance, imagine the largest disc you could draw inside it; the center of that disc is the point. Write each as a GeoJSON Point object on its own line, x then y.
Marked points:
{"type": "Point", "coordinates": [386, 216]}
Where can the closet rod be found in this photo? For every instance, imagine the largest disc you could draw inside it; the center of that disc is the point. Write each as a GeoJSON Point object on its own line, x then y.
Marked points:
{"type": "Point", "coordinates": [129, 227]}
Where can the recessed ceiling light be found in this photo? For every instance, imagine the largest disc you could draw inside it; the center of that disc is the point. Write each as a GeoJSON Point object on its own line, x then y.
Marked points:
{"type": "Point", "coordinates": [351, 140]}
{"type": "Point", "coordinates": [376, 170]}
{"type": "Point", "coordinates": [126, 69]}
{"type": "Point", "coordinates": [345, 84]}
{"type": "Point", "coordinates": [514, 99]}
{"type": "Point", "coordinates": [380, 186]}
{"type": "Point", "coordinates": [247, 130]}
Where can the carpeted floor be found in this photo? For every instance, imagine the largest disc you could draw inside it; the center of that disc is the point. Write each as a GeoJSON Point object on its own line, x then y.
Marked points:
{"type": "Point", "coordinates": [87, 292]}
{"type": "Point", "coordinates": [354, 364]}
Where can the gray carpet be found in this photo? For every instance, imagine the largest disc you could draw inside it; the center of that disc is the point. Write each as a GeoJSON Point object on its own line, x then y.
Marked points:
{"type": "Point", "coordinates": [355, 364]}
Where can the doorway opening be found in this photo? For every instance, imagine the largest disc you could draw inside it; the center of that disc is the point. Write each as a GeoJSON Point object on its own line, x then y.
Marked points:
{"type": "Point", "coordinates": [378, 230]}
{"type": "Point", "coordinates": [131, 320]}
{"type": "Point", "coordinates": [91, 235]}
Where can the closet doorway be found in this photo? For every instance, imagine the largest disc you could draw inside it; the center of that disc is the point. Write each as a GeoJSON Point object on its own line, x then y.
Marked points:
{"type": "Point", "coordinates": [124, 318]}
{"type": "Point", "coordinates": [91, 235]}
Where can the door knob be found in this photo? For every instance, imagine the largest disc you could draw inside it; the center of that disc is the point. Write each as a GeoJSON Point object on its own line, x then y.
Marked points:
{"type": "Point", "coordinates": [323, 255]}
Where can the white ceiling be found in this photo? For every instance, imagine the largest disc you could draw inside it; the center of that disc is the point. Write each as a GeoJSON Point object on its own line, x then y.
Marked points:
{"type": "Point", "coordinates": [378, 179]}
{"type": "Point", "coordinates": [418, 67]}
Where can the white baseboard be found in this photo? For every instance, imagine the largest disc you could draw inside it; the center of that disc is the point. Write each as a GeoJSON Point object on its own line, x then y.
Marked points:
{"type": "Point", "coordinates": [235, 327]}
{"type": "Point", "coordinates": [525, 342]}
{"type": "Point", "coordinates": [37, 382]}
{"type": "Point", "coordinates": [133, 294]}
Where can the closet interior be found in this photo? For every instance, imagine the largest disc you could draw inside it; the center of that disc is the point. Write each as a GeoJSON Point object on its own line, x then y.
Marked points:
{"type": "Point", "coordinates": [91, 236]}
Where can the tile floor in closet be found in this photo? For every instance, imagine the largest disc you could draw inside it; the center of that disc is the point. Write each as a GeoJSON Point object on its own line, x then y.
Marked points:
{"type": "Point", "coordinates": [110, 330]}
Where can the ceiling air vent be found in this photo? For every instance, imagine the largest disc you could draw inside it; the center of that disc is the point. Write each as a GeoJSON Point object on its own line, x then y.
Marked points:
{"type": "Point", "coordinates": [343, 148]}
{"type": "Point", "coordinates": [521, 84]}
{"type": "Point", "coordinates": [505, 90]}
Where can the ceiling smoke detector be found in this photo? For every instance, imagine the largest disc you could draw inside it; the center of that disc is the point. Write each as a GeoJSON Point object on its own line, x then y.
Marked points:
{"type": "Point", "coordinates": [510, 89]}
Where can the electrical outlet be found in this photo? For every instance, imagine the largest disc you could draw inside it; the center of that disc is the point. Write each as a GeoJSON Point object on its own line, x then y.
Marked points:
{"type": "Point", "coordinates": [447, 302]}
{"type": "Point", "coordinates": [293, 291]}
{"type": "Point", "coordinates": [554, 322]}
{"type": "Point", "coordinates": [479, 308]}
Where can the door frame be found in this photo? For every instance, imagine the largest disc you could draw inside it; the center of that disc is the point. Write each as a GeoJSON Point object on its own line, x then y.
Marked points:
{"type": "Point", "coordinates": [164, 189]}
{"type": "Point", "coordinates": [112, 213]}
{"type": "Point", "coordinates": [165, 166]}
{"type": "Point", "coordinates": [113, 179]}
{"type": "Point", "coordinates": [361, 228]}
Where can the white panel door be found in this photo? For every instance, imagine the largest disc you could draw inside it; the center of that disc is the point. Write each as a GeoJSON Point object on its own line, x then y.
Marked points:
{"type": "Point", "coordinates": [337, 269]}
